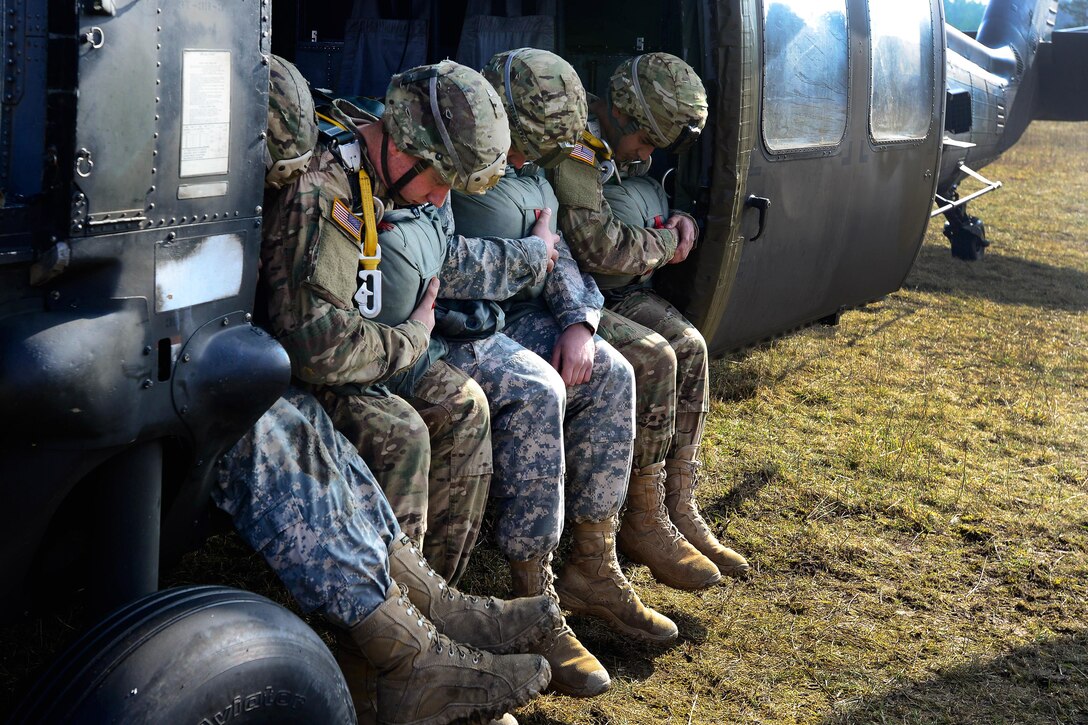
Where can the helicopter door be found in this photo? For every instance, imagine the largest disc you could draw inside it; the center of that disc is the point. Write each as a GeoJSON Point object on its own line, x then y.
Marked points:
{"type": "Point", "coordinates": [842, 173]}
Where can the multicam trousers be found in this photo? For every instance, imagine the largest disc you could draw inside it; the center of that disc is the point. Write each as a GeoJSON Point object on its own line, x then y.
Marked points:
{"type": "Point", "coordinates": [301, 496]}
{"type": "Point", "coordinates": [670, 360]}
{"type": "Point", "coordinates": [445, 506]}
{"type": "Point", "coordinates": [542, 429]}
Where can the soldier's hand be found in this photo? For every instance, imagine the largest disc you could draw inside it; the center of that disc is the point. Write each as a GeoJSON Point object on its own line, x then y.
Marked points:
{"type": "Point", "coordinates": [543, 230]}
{"type": "Point", "coordinates": [685, 231]}
{"type": "Point", "coordinates": [424, 311]}
{"type": "Point", "coordinates": [573, 354]}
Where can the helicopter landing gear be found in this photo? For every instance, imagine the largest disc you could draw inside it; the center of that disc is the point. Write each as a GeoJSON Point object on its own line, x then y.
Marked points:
{"type": "Point", "coordinates": [966, 233]}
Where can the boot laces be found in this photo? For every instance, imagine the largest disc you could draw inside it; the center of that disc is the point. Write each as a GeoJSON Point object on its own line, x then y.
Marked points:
{"type": "Point", "coordinates": [454, 650]}
{"type": "Point", "coordinates": [661, 515]}
{"type": "Point", "coordinates": [547, 578]}
{"type": "Point", "coordinates": [613, 572]}
{"type": "Point", "coordinates": [695, 466]}
{"type": "Point", "coordinates": [447, 592]}
{"type": "Point", "coordinates": [615, 575]}
{"type": "Point", "coordinates": [687, 504]}
{"type": "Point", "coordinates": [444, 645]}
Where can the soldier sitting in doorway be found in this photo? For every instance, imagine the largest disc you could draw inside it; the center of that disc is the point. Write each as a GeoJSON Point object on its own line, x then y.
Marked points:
{"type": "Point", "coordinates": [655, 101]}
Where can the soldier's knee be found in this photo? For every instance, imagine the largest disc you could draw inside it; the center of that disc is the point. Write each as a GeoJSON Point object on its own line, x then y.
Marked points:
{"type": "Point", "coordinates": [476, 410]}
{"type": "Point", "coordinates": [612, 365]}
{"type": "Point", "coordinates": [657, 359]}
{"type": "Point", "coordinates": [545, 391]}
{"type": "Point", "coordinates": [691, 348]}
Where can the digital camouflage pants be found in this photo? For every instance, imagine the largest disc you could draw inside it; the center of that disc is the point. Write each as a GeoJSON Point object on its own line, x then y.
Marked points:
{"type": "Point", "coordinates": [445, 422]}
{"type": "Point", "coordinates": [543, 431]}
{"type": "Point", "coordinates": [670, 361]}
{"type": "Point", "coordinates": [301, 496]}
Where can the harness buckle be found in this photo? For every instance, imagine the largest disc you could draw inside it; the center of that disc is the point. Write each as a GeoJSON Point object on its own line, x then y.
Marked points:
{"type": "Point", "coordinates": [368, 298]}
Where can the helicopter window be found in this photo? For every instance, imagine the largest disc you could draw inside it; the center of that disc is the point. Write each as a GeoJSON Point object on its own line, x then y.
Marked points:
{"type": "Point", "coordinates": [901, 35]}
{"type": "Point", "coordinates": [805, 73]}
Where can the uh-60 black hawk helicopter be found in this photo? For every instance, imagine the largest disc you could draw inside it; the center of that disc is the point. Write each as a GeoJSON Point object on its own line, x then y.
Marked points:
{"type": "Point", "coordinates": [131, 176]}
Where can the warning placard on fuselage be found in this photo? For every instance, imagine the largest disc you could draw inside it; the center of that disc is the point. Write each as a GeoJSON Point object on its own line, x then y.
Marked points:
{"type": "Point", "coordinates": [205, 115]}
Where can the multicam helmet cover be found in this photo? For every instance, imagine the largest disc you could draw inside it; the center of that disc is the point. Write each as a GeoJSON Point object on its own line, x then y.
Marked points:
{"type": "Point", "coordinates": [292, 124]}
{"type": "Point", "coordinates": [544, 100]}
{"type": "Point", "coordinates": [664, 97]}
{"type": "Point", "coordinates": [449, 116]}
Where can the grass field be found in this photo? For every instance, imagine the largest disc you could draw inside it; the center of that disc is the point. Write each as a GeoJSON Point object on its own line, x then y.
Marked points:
{"type": "Point", "coordinates": [910, 487]}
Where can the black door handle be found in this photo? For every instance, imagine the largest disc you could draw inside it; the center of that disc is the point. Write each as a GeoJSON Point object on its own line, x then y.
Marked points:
{"type": "Point", "coordinates": [762, 203]}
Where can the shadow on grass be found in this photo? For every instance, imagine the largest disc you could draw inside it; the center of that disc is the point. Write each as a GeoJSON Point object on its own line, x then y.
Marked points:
{"type": "Point", "coordinates": [750, 482]}
{"type": "Point", "coordinates": [1000, 278]}
{"type": "Point", "coordinates": [1045, 682]}
{"type": "Point", "coordinates": [733, 381]}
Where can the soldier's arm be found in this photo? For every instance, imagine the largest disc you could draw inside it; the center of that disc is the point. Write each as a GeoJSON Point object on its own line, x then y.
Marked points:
{"type": "Point", "coordinates": [310, 302]}
{"type": "Point", "coordinates": [334, 346]}
{"type": "Point", "coordinates": [600, 242]}
{"type": "Point", "coordinates": [572, 296]}
{"type": "Point", "coordinates": [489, 268]}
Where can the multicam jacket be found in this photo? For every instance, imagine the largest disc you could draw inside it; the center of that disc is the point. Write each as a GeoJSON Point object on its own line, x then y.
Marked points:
{"type": "Point", "coordinates": [310, 273]}
{"type": "Point", "coordinates": [614, 252]}
{"type": "Point", "coordinates": [310, 264]}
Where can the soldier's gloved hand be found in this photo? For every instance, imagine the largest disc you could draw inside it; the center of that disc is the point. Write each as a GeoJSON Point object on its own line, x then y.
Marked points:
{"type": "Point", "coordinates": [424, 311]}
{"type": "Point", "coordinates": [685, 230]}
{"type": "Point", "coordinates": [543, 230]}
{"type": "Point", "coordinates": [573, 353]}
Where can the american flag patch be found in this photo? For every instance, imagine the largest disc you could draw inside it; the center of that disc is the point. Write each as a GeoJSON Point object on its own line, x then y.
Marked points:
{"type": "Point", "coordinates": [584, 154]}
{"type": "Point", "coordinates": [353, 225]}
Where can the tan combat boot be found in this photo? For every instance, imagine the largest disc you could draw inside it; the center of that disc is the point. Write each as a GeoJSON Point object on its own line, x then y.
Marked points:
{"type": "Point", "coordinates": [575, 671]}
{"type": "Point", "coordinates": [647, 536]}
{"type": "Point", "coordinates": [491, 624]}
{"type": "Point", "coordinates": [592, 584]}
{"type": "Point", "coordinates": [684, 512]}
{"type": "Point", "coordinates": [424, 678]}
{"type": "Point", "coordinates": [361, 677]}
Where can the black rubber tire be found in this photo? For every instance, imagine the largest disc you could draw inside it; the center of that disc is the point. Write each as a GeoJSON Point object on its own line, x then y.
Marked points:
{"type": "Point", "coordinates": [199, 655]}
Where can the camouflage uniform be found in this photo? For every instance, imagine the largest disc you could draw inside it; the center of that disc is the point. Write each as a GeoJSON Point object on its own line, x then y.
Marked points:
{"type": "Point", "coordinates": [672, 397]}
{"type": "Point", "coordinates": [621, 244]}
{"type": "Point", "coordinates": [542, 421]}
{"type": "Point", "coordinates": [303, 499]}
{"type": "Point", "coordinates": [546, 105]}
{"type": "Point", "coordinates": [311, 282]}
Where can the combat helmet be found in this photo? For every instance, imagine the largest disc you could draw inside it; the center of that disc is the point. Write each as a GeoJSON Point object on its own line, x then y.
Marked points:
{"type": "Point", "coordinates": [663, 96]}
{"type": "Point", "coordinates": [292, 124]}
{"type": "Point", "coordinates": [544, 99]}
{"type": "Point", "coordinates": [447, 115]}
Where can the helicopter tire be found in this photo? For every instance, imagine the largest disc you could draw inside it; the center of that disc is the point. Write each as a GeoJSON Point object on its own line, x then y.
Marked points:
{"type": "Point", "coordinates": [203, 655]}
{"type": "Point", "coordinates": [968, 239]}
{"type": "Point", "coordinates": [968, 248]}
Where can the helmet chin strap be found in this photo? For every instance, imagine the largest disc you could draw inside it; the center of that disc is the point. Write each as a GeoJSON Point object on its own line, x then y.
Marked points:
{"type": "Point", "coordinates": [394, 187]}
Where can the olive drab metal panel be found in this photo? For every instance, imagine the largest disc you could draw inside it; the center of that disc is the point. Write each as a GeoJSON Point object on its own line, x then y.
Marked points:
{"type": "Point", "coordinates": [130, 230]}
{"type": "Point", "coordinates": [702, 286]}
{"type": "Point", "coordinates": [166, 126]}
